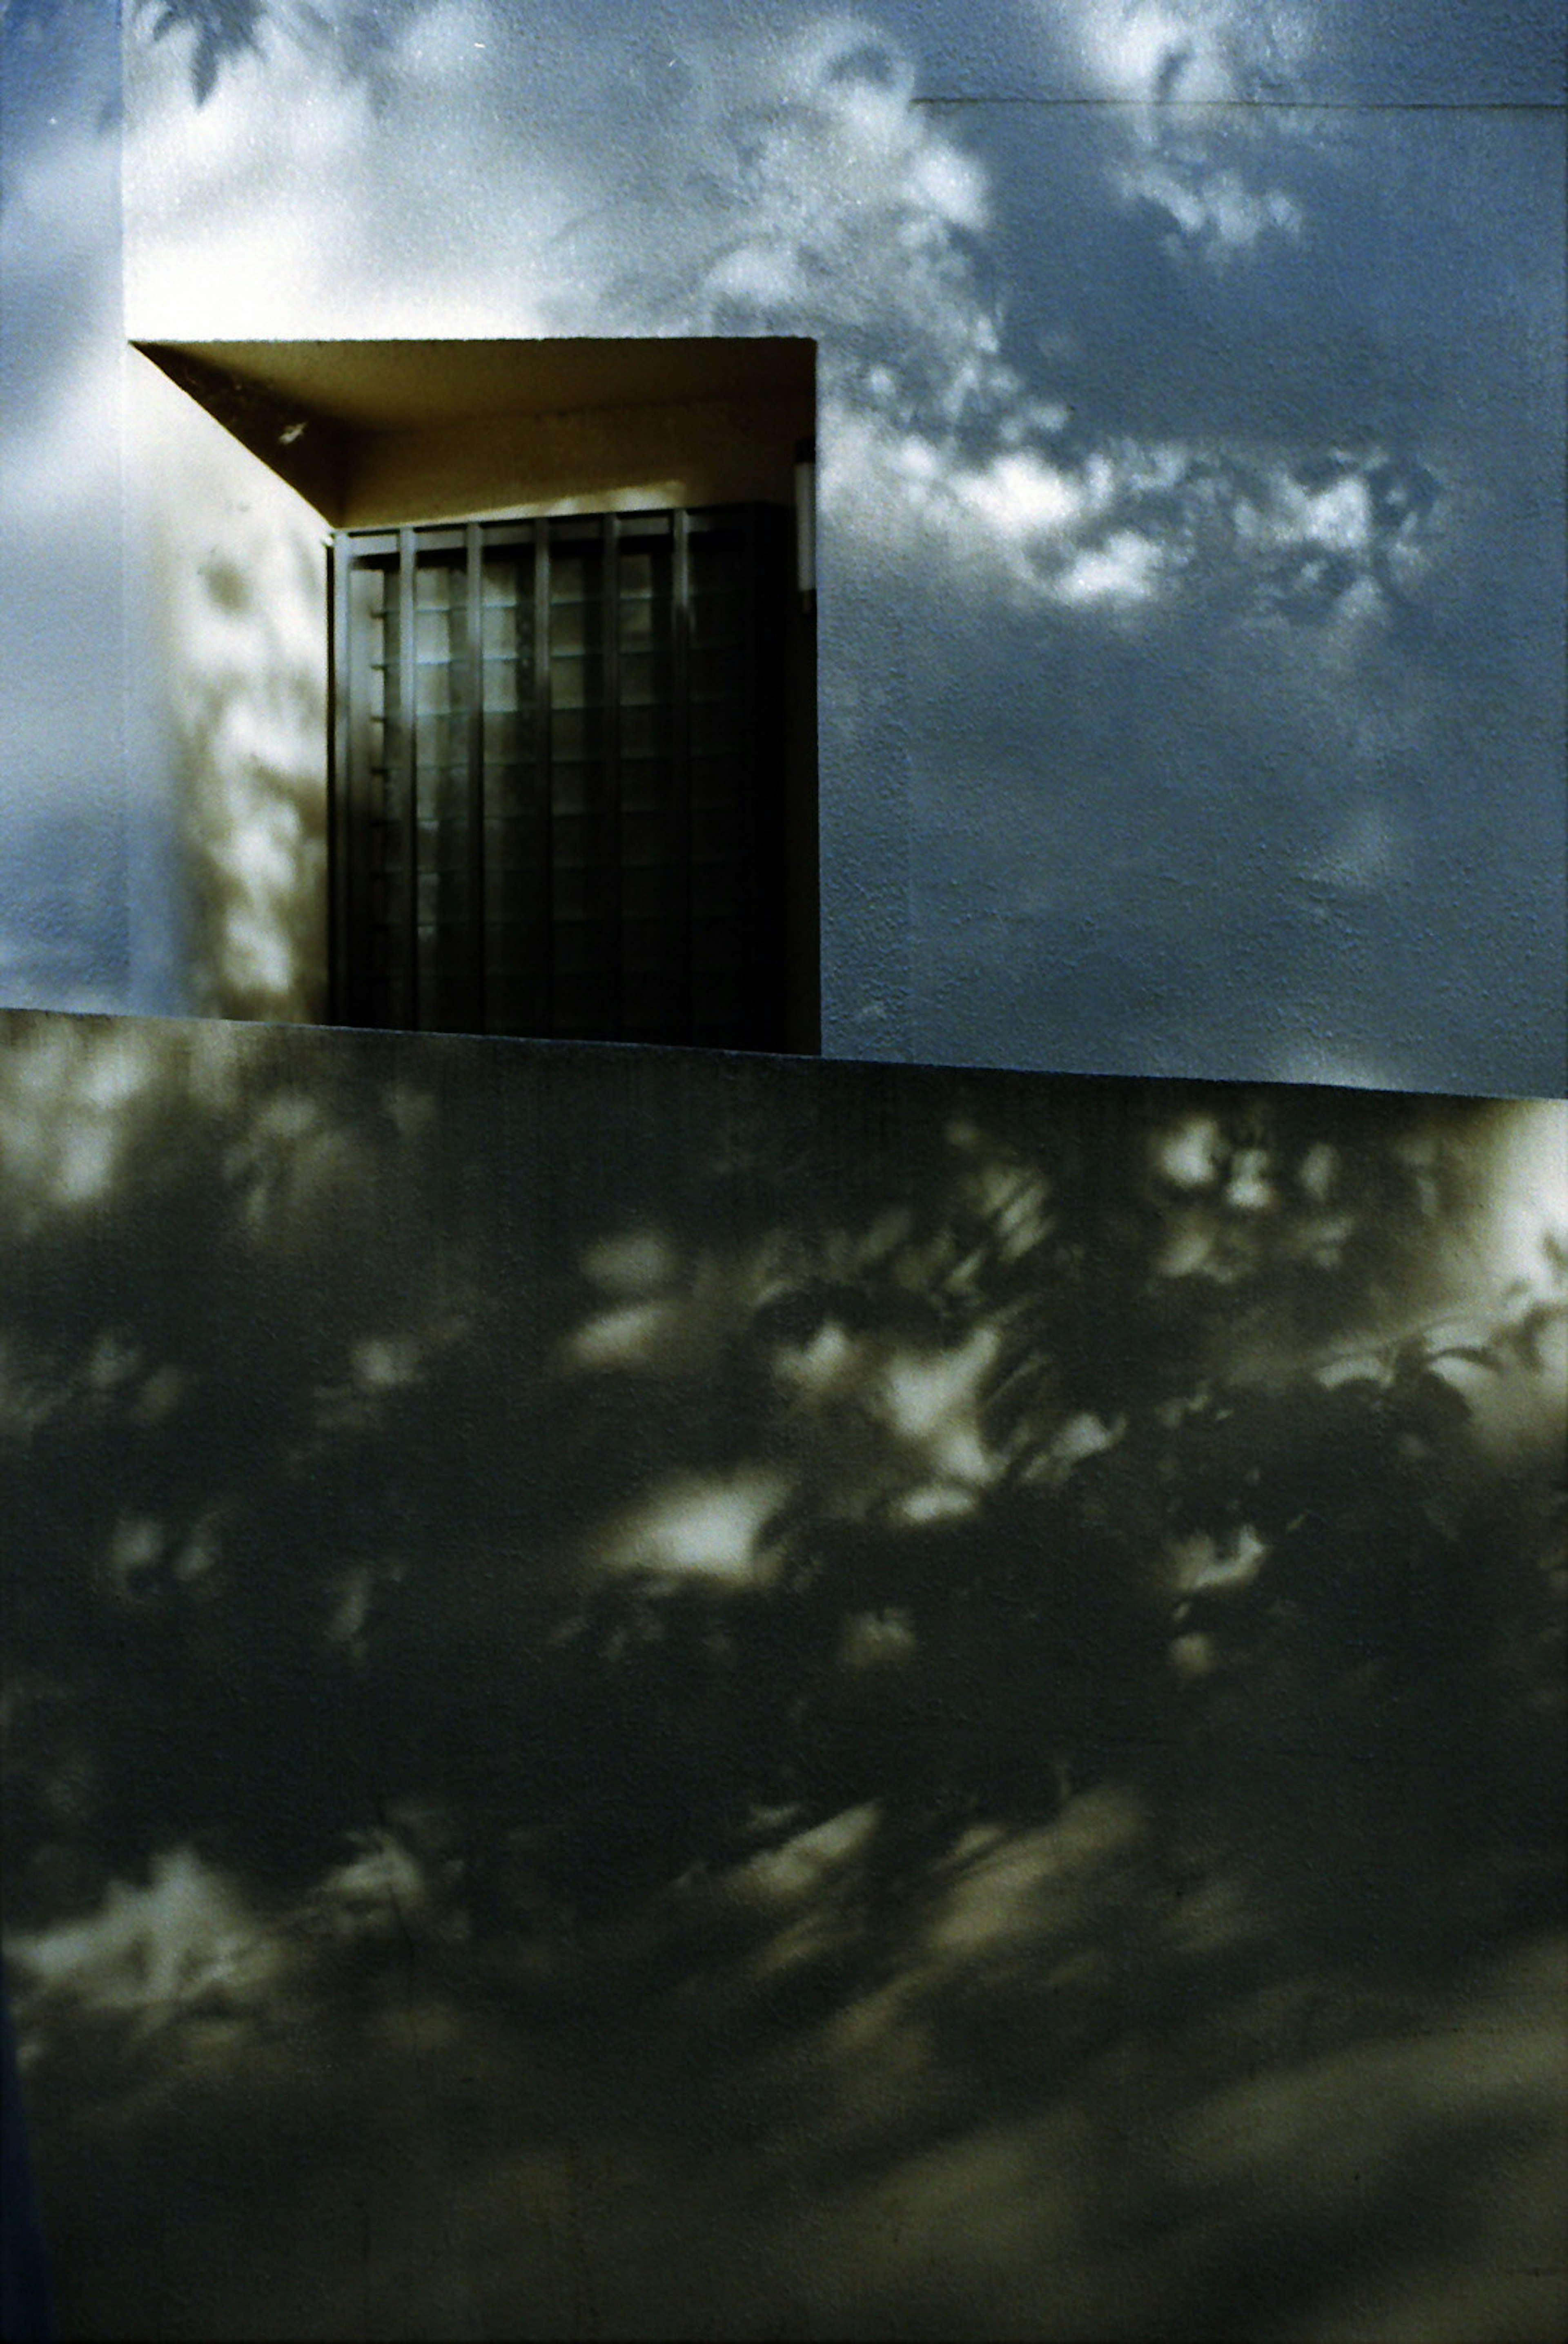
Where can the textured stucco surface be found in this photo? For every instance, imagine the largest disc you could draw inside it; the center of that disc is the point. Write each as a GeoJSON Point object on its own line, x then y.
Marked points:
{"type": "Point", "coordinates": [1191, 432]}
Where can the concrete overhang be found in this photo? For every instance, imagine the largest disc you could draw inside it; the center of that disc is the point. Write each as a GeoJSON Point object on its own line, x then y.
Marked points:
{"type": "Point", "coordinates": [349, 424]}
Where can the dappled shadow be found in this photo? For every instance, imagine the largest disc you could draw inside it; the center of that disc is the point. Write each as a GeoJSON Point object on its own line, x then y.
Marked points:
{"type": "Point", "coordinates": [805, 1698]}
{"type": "Point", "coordinates": [242, 584]}
{"type": "Point", "coordinates": [223, 33]}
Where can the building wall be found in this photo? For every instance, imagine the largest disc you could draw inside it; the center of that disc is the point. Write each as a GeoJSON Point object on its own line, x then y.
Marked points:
{"type": "Point", "coordinates": [656, 1694]}
{"type": "Point", "coordinates": [1191, 438]}
{"type": "Point", "coordinates": [68, 832]}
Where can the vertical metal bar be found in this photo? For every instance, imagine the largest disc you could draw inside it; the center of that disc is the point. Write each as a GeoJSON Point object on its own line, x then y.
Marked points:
{"type": "Point", "coordinates": [614, 845]}
{"type": "Point", "coordinates": [750, 877]}
{"type": "Point", "coordinates": [476, 776]}
{"type": "Point", "coordinates": [766, 841]}
{"type": "Point", "coordinates": [772, 610]}
{"type": "Point", "coordinates": [545, 779]}
{"type": "Point", "coordinates": [339, 839]}
{"type": "Point", "coordinates": [408, 762]}
{"type": "Point", "coordinates": [681, 752]}
{"type": "Point", "coordinates": [362, 580]}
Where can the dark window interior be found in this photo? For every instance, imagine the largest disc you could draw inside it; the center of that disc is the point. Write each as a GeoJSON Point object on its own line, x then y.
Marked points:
{"type": "Point", "coordinates": [559, 776]}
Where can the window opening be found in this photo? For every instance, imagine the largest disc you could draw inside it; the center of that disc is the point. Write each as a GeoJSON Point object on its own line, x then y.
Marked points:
{"type": "Point", "coordinates": [558, 776]}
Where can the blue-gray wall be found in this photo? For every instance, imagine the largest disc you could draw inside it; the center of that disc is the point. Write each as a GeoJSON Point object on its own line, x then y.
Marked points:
{"type": "Point", "coordinates": [1192, 520]}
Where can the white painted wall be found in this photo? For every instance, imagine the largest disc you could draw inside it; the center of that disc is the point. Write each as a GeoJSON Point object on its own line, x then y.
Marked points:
{"type": "Point", "coordinates": [236, 565]}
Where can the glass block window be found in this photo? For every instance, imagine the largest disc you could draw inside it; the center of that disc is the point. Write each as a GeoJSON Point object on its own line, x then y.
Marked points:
{"type": "Point", "coordinates": [558, 776]}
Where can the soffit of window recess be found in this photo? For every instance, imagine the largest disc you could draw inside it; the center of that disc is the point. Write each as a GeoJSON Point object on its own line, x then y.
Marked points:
{"type": "Point", "coordinates": [310, 410]}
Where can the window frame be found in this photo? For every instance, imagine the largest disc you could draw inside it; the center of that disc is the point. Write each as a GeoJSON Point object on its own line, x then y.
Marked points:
{"type": "Point", "coordinates": [765, 533]}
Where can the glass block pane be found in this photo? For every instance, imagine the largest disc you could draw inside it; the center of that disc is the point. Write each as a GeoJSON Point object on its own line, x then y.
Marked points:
{"type": "Point", "coordinates": [386, 845]}
{"type": "Point", "coordinates": [652, 947]}
{"type": "Point", "coordinates": [576, 734]}
{"type": "Point", "coordinates": [645, 732]}
{"type": "Point", "coordinates": [506, 568]}
{"type": "Point", "coordinates": [716, 781]}
{"type": "Point", "coordinates": [503, 742]}
{"type": "Point", "coordinates": [433, 633]}
{"type": "Point", "coordinates": [653, 1009]}
{"type": "Point", "coordinates": [501, 635]}
{"type": "Point", "coordinates": [644, 678]}
{"type": "Point", "coordinates": [367, 591]}
{"type": "Point", "coordinates": [516, 1003]}
{"type": "Point", "coordinates": [443, 794]}
{"type": "Point", "coordinates": [575, 787]}
{"type": "Point", "coordinates": [439, 581]}
{"type": "Point", "coordinates": [716, 619]}
{"type": "Point", "coordinates": [581, 948]}
{"type": "Point", "coordinates": [718, 564]}
{"type": "Point", "coordinates": [644, 840]}
{"type": "Point", "coordinates": [443, 845]}
{"type": "Point", "coordinates": [575, 575]}
{"type": "Point", "coordinates": [571, 891]}
{"type": "Point", "coordinates": [513, 804]}
{"type": "Point", "coordinates": [718, 947]}
{"type": "Point", "coordinates": [446, 1002]}
{"type": "Point", "coordinates": [575, 626]}
{"type": "Point", "coordinates": [643, 567]}
{"type": "Point", "coordinates": [644, 620]}
{"type": "Point", "coordinates": [717, 672]}
{"type": "Point", "coordinates": [441, 740]}
{"type": "Point", "coordinates": [499, 685]}
{"type": "Point", "coordinates": [715, 889]}
{"type": "Point", "coordinates": [433, 688]}
{"type": "Point", "coordinates": [575, 679]}
{"type": "Point", "coordinates": [656, 893]}
{"type": "Point", "coordinates": [716, 727]}
{"type": "Point", "coordinates": [514, 895]}
{"type": "Point", "coordinates": [715, 834]}
{"type": "Point", "coordinates": [645, 784]}
{"type": "Point", "coordinates": [444, 897]}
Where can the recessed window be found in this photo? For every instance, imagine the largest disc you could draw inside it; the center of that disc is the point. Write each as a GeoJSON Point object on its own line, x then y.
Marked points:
{"type": "Point", "coordinates": [569, 779]}
{"type": "Point", "coordinates": [557, 782]}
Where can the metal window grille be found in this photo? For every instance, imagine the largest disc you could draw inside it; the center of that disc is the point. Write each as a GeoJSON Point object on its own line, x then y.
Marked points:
{"type": "Point", "coordinates": [558, 776]}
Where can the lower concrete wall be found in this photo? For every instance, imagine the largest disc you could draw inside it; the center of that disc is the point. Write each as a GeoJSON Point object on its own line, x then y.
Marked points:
{"type": "Point", "coordinates": [651, 1693]}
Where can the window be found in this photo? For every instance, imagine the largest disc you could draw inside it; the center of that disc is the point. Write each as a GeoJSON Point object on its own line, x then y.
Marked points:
{"type": "Point", "coordinates": [559, 598]}
{"type": "Point", "coordinates": [558, 788]}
